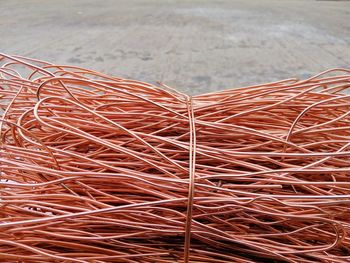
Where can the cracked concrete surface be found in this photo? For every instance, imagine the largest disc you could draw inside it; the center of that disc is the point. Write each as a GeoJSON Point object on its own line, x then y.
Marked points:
{"type": "Point", "coordinates": [193, 46]}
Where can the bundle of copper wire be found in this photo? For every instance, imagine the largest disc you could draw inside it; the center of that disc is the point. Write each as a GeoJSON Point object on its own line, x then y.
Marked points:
{"type": "Point", "coordinates": [96, 168]}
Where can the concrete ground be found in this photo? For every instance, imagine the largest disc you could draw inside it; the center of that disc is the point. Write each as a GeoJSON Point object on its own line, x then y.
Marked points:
{"type": "Point", "coordinates": [194, 46]}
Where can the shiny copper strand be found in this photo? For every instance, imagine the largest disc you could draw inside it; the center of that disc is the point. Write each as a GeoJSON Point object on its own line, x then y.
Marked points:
{"type": "Point", "coordinates": [102, 169]}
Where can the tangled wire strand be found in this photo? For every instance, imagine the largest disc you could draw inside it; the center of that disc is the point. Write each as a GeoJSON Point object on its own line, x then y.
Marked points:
{"type": "Point", "coordinates": [97, 169]}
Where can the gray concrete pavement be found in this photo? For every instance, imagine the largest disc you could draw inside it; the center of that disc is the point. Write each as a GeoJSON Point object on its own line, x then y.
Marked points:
{"type": "Point", "coordinates": [194, 46]}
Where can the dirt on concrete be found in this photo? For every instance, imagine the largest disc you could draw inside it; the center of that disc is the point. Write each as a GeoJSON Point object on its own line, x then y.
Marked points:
{"type": "Point", "coordinates": [193, 46]}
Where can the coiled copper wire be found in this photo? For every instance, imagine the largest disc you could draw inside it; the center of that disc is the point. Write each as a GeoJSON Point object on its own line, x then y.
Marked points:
{"type": "Point", "coordinates": [102, 169]}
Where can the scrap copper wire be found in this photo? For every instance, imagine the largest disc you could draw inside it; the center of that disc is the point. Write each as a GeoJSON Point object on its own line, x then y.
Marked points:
{"type": "Point", "coordinates": [96, 168]}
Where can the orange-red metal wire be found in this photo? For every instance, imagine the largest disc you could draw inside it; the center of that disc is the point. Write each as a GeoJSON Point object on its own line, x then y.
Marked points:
{"type": "Point", "coordinates": [102, 169]}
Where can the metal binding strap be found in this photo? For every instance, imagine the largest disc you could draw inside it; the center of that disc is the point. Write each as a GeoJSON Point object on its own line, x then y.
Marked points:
{"type": "Point", "coordinates": [192, 170]}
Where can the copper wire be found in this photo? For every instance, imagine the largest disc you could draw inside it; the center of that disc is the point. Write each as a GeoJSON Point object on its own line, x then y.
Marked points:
{"type": "Point", "coordinates": [96, 168]}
